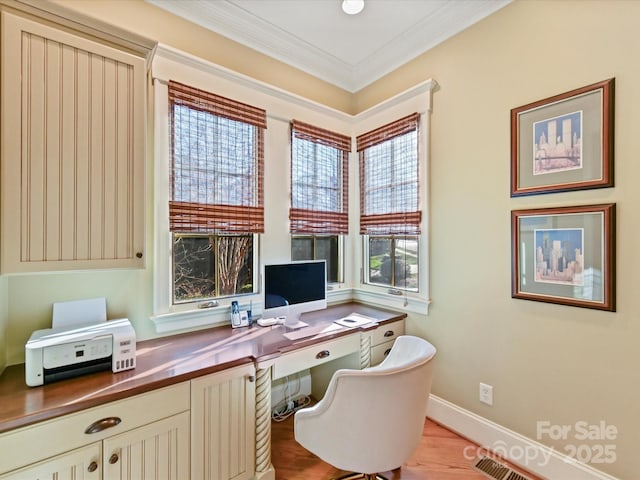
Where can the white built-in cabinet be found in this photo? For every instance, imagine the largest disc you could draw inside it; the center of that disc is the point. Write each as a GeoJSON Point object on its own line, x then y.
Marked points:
{"type": "Point", "coordinates": [223, 425]}
{"type": "Point", "coordinates": [146, 436]}
{"type": "Point", "coordinates": [198, 429]}
{"type": "Point", "coordinates": [73, 150]}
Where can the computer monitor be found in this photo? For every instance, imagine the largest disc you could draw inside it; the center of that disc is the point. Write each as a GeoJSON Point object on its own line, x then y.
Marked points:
{"type": "Point", "coordinates": [291, 289]}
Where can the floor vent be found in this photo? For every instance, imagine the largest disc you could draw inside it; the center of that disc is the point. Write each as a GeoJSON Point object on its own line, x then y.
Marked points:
{"type": "Point", "coordinates": [497, 470]}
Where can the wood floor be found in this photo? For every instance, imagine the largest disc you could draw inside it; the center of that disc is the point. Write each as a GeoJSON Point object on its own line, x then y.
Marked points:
{"type": "Point", "coordinates": [440, 456]}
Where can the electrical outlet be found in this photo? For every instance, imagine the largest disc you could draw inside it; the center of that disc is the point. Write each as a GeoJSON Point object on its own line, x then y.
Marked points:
{"type": "Point", "coordinates": [486, 393]}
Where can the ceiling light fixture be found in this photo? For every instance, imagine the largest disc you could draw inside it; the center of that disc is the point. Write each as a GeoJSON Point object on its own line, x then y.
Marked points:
{"type": "Point", "coordinates": [352, 7]}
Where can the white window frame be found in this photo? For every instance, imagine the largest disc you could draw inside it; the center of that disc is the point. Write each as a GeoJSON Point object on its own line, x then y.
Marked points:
{"type": "Point", "coordinates": [168, 316]}
{"type": "Point", "coordinates": [418, 100]}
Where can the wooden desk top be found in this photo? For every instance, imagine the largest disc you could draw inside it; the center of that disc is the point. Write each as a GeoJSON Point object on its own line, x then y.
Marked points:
{"type": "Point", "coordinates": [168, 360]}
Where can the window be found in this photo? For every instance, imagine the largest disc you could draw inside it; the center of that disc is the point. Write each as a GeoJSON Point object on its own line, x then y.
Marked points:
{"type": "Point", "coordinates": [320, 247]}
{"type": "Point", "coordinates": [216, 200]}
{"type": "Point", "coordinates": [319, 195]}
{"type": "Point", "coordinates": [390, 213]}
{"type": "Point", "coordinates": [393, 261]}
{"type": "Point", "coordinates": [209, 266]}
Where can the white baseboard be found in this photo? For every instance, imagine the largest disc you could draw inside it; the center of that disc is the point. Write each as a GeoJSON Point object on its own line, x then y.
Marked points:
{"type": "Point", "coordinates": [518, 449]}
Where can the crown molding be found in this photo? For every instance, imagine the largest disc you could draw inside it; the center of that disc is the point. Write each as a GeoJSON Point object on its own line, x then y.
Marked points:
{"type": "Point", "coordinates": [239, 25]}
{"type": "Point", "coordinates": [414, 42]}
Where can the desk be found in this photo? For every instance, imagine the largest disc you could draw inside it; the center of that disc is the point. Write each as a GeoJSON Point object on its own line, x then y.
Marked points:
{"type": "Point", "coordinates": [325, 341]}
{"type": "Point", "coordinates": [168, 361]}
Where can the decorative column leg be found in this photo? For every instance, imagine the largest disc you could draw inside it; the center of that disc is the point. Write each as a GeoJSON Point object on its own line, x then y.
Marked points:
{"type": "Point", "coordinates": [365, 350]}
{"type": "Point", "coordinates": [264, 469]}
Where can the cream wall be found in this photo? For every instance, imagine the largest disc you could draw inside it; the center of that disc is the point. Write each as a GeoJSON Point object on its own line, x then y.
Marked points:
{"type": "Point", "coordinates": [546, 362]}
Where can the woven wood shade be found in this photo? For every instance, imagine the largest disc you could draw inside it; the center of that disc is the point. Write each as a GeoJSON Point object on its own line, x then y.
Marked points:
{"type": "Point", "coordinates": [217, 163]}
{"type": "Point", "coordinates": [389, 180]}
{"type": "Point", "coordinates": [319, 180]}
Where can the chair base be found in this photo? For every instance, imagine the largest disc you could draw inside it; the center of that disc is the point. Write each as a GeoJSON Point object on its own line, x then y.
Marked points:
{"type": "Point", "coordinates": [361, 476]}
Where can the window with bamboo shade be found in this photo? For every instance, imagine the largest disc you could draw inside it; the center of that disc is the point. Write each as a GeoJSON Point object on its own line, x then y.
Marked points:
{"type": "Point", "coordinates": [216, 192]}
{"type": "Point", "coordinates": [390, 214]}
{"type": "Point", "coordinates": [319, 195]}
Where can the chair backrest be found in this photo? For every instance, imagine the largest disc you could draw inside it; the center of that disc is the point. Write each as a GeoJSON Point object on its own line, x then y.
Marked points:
{"type": "Point", "coordinates": [371, 420]}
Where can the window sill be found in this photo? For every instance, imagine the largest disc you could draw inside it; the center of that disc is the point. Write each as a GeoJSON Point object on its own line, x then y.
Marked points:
{"type": "Point", "coordinates": [382, 298]}
{"type": "Point", "coordinates": [196, 319]}
{"type": "Point", "coordinates": [190, 319]}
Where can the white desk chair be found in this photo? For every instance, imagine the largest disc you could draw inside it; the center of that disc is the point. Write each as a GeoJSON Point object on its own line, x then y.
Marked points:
{"type": "Point", "coordinates": [371, 420]}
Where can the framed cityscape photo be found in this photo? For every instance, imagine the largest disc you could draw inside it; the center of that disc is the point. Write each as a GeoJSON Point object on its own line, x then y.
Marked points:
{"type": "Point", "coordinates": [564, 255]}
{"type": "Point", "coordinates": [564, 142]}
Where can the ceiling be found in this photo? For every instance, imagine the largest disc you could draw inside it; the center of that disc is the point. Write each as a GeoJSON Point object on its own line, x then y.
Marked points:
{"type": "Point", "coordinates": [315, 36]}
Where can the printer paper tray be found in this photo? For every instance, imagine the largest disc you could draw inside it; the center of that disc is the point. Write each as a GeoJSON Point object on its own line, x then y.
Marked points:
{"type": "Point", "coordinates": [76, 369]}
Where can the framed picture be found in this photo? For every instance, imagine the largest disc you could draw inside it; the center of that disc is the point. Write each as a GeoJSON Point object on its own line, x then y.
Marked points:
{"type": "Point", "coordinates": [564, 255]}
{"type": "Point", "coordinates": [563, 142]}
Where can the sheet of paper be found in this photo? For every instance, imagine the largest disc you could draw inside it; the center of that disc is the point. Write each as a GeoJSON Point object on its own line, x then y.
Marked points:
{"type": "Point", "coordinates": [77, 312]}
{"type": "Point", "coordinates": [354, 320]}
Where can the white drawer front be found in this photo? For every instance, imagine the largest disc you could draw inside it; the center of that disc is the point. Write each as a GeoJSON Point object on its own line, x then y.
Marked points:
{"type": "Point", "coordinates": [315, 355]}
{"type": "Point", "coordinates": [387, 332]}
{"type": "Point", "coordinates": [41, 440]}
{"type": "Point", "coordinates": [380, 352]}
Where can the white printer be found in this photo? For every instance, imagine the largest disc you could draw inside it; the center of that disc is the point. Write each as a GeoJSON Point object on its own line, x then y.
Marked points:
{"type": "Point", "coordinates": [68, 351]}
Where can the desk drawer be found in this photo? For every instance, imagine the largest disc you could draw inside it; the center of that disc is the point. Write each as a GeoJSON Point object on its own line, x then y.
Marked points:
{"type": "Point", "coordinates": [315, 355]}
{"type": "Point", "coordinates": [387, 332]}
{"type": "Point", "coordinates": [380, 352]}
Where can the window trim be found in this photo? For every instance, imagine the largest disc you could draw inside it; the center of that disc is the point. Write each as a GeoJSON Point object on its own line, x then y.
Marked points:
{"type": "Point", "coordinates": [383, 295]}
{"type": "Point", "coordinates": [168, 317]}
{"type": "Point", "coordinates": [169, 62]}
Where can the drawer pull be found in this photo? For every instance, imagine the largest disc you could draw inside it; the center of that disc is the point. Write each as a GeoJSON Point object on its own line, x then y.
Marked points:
{"type": "Point", "coordinates": [389, 333]}
{"type": "Point", "coordinates": [323, 354]}
{"type": "Point", "coordinates": [114, 459]}
{"type": "Point", "coordinates": [103, 424]}
{"type": "Point", "coordinates": [387, 351]}
{"type": "Point", "coordinates": [93, 466]}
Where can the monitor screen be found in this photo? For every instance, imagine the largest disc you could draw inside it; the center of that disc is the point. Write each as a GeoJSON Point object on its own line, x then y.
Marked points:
{"type": "Point", "coordinates": [294, 288]}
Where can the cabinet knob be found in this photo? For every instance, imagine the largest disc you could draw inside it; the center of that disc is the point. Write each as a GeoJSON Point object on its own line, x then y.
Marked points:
{"type": "Point", "coordinates": [139, 254]}
{"type": "Point", "coordinates": [102, 424]}
{"type": "Point", "coordinates": [114, 458]}
{"type": "Point", "coordinates": [93, 466]}
{"type": "Point", "coordinates": [387, 351]}
{"type": "Point", "coordinates": [323, 354]}
{"type": "Point", "coordinates": [252, 378]}
{"type": "Point", "coordinates": [389, 333]}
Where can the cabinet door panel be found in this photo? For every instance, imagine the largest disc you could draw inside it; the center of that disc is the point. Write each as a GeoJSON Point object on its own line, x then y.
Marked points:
{"type": "Point", "coordinates": [157, 450]}
{"type": "Point", "coordinates": [223, 426]}
{"type": "Point", "coordinates": [73, 155]}
{"type": "Point", "coordinates": [80, 464]}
